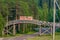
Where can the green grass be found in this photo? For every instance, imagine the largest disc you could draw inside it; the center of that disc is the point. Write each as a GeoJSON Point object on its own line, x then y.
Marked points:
{"type": "Point", "coordinates": [10, 36]}
{"type": "Point", "coordinates": [42, 37]}
{"type": "Point", "coordinates": [17, 34]}
{"type": "Point", "coordinates": [30, 32]}
{"type": "Point", "coordinates": [45, 37]}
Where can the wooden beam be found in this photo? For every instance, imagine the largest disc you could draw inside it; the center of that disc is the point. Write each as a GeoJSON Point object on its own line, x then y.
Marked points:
{"type": "Point", "coordinates": [14, 30]}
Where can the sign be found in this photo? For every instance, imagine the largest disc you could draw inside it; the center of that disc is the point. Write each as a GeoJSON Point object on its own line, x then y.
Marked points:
{"type": "Point", "coordinates": [26, 18]}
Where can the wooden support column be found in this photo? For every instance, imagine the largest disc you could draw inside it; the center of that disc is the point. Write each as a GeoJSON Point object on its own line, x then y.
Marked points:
{"type": "Point", "coordinates": [30, 28]}
{"type": "Point", "coordinates": [39, 30]}
{"type": "Point", "coordinates": [19, 28]}
{"type": "Point", "coordinates": [51, 30]}
{"type": "Point", "coordinates": [3, 32]}
{"type": "Point", "coordinates": [7, 30]}
{"type": "Point", "coordinates": [14, 30]}
{"type": "Point", "coordinates": [23, 28]}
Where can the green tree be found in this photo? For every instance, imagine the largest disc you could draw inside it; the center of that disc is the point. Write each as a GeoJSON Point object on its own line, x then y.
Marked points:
{"type": "Point", "coordinates": [2, 24]}
{"type": "Point", "coordinates": [40, 13]}
{"type": "Point", "coordinates": [45, 11]}
{"type": "Point", "coordinates": [4, 12]}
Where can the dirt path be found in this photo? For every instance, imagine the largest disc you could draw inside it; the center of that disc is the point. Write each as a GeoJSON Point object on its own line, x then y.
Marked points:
{"type": "Point", "coordinates": [22, 37]}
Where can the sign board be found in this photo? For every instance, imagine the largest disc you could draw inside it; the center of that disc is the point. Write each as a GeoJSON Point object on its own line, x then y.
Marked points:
{"type": "Point", "coordinates": [26, 18]}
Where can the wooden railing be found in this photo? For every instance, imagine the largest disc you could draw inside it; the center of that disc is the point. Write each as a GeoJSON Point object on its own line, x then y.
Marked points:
{"type": "Point", "coordinates": [37, 22]}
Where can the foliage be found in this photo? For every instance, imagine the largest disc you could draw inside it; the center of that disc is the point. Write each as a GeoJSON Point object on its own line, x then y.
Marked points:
{"type": "Point", "coordinates": [41, 11]}
{"type": "Point", "coordinates": [45, 11]}
{"type": "Point", "coordinates": [2, 23]}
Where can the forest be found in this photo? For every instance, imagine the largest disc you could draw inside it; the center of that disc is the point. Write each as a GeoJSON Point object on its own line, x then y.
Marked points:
{"type": "Point", "coordinates": [38, 9]}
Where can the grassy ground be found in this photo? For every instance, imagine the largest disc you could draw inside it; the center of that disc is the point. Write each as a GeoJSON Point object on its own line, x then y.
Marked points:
{"type": "Point", "coordinates": [43, 37]}
{"type": "Point", "coordinates": [10, 36]}
{"type": "Point", "coordinates": [30, 32]}
{"type": "Point", "coordinates": [17, 34]}
{"type": "Point", "coordinates": [46, 37]}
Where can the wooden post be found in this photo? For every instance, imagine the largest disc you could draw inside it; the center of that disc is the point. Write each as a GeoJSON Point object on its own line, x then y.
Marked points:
{"type": "Point", "coordinates": [14, 30]}
{"type": "Point", "coordinates": [3, 32]}
{"type": "Point", "coordinates": [39, 30]}
{"type": "Point", "coordinates": [7, 30]}
{"type": "Point", "coordinates": [51, 30]}
{"type": "Point", "coordinates": [19, 28]}
{"type": "Point", "coordinates": [30, 28]}
{"type": "Point", "coordinates": [54, 19]}
{"type": "Point", "coordinates": [26, 27]}
{"type": "Point", "coordinates": [23, 28]}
